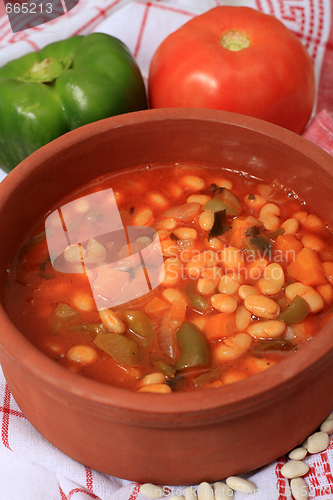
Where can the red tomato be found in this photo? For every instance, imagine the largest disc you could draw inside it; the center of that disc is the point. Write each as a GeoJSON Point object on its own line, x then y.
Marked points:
{"type": "Point", "coordinates": [235, 59]}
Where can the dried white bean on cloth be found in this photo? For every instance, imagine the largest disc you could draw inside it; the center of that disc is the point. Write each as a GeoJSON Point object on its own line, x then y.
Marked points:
{"type": "Point", "coordinates": [151, 490]}
{"type": "Point", "coordinates": [318, 442]}
{"type": "Point", "coordinates": [299, 489]}
{"type": "Point", "coordinates": [222, 491]}
{"type": "Point", "coordinates": [298, 453]}
{"type": "Point", "coordinates": [327, 425]}
{"type": "Point", "coordinates": [205, 491]}
{"type": "Point", "coordinates": [239, 484]}
{"type": "Point", "coordinates": [294, 468]}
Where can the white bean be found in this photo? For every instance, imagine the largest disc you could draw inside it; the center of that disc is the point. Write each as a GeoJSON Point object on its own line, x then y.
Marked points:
{"type": "Point", "coordinates": [233, 347]}
{"type": "Point", "coordinates": [74, 253]}
{"type": "Point", "coordinates": [151, 491]}
{"type": "Point", "coordinates": [169, 224]}
{"type": "Point", "coordinates": [245, 290]}
{"type": "Point", "coordinates": [205, 286]}
{"type": "Point", "coordinates": [294, 468]}
{"type": "Point", "coordinates": [96, 252]}
{"type": "Point", "coordinates": [223, 183]}
{"type": "Point", "coordinates": [269, 216]}
{"type": "Point", "coordinates": [153, 378]}
{"type": "Point", "coordinates": [299, 489]}
{"type": "Point", "coordinates": [267, 329]}
{"type": "Point", "coordinates": [222, 491]}
{"type": "Point", "coordinates": [206, 220]}
{"type": "Point", "coordinates": [82, 354]}
{"type": "Point", "coordinates": [198, 198]}
{"type": "Point", "coordinates": [327, 425]}
{"type": "Point", "coordinates": [243, 318]}
{"type": "Point", "coordinates": [192, 182]}
{"type": "Point", "coordinates": [290, 226]}
{"type": "Point", "coordinates": [111, 321]}
{"type": "Point", "coordinates": [158, 388]}
{"type": "Point", "coordinates": [231, 258]}
{"type": "Point", "coordinates": [273, 279]}
{"type": "Point", "coordinates": [228, 285]}
{"type": "Point", "coordinates": [158, 200]}
{"type": "Point", "coordinates": [172, 294]}
{"type": "Point", "coordinates": [309, 294]}
{"type": "Point", "coordinates": [205, 492]}
{"type": "Point", "coordinates": [318, 442]}
{"type": "Point", "coordinates": [184, 233]}
{"type": "Point", "coordinates": [298, 453]}
{"type": "Point", "coordinates": [256, 202]}
{"type": "Point", "coordinates": [214, 244]}
{"type": "Point", "coordinates": [143, 217]}
{"type": "Point", "coordinates": [172, 271]}
{"type": "Point", "coordinates": [83, 302]}
{"type": "Point", "coordinates": [223, 303]}
{"type": "Point", "coordinates": [239, 484]}
{"type": "Point", "coordinates": [261, 306]}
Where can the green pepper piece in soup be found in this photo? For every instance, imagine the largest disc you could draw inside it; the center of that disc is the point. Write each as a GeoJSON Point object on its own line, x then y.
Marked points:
{"type": "Point", "coordinates": [167, 370]}
{"type": "Point", "coordinates": [197, 301]}
{"type": "Point", "coordinates": [139, 323]}
{"type": "Point", "coordinates": [194, 347]}
{"type": "Point", "coordinates": [123, 350]}
{"type": "Point", "coordinates": [230, 201]}
{"type": "Point", "coordinates": [216, 205]}
{"type": "Point", "coordinates": [208, 377]}
{"type": "Point", "coordinates": [92, 328]}
{"type": "Point", "coordinates": [296, 312]}
{"type": "Point", "coordinates": [63, 310]}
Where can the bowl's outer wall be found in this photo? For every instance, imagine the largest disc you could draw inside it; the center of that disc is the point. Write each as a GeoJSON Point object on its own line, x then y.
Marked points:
{"type": "Point", "coordinates": [162, 438]}
{"type": "Point", "coordinates": [167, 454]}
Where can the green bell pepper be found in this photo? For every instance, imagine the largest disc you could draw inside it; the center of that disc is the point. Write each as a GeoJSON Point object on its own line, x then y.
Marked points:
{"type": "Point", "coordinates": [194, 347]}
{"type": "Point", "coordinates": [296, 312]}
{"type": "Point", "coordinates": [66, 85]}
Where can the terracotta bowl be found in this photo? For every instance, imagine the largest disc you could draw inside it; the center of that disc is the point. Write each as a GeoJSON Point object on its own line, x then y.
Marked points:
{"type": "Point", "coordinates": [173, 438]}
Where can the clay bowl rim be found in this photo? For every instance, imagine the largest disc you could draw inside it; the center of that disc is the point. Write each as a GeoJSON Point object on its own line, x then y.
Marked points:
{"type": "Point", "coordinates": [247, 393]}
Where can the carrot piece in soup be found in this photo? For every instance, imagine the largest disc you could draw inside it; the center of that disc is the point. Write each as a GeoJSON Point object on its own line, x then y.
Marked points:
{"type": "Point", "coordinates": [307, 268]}
{"type": "Point", "coordinates": [328, 270]}
{"type": "Point", "coordinates": [288, 246]}
{"type": "Point", "coordinates": [239, 228]}
{"type": "Point", "coordinates": [156, 306]}
{"type": "Point", "coordinates": [220, 325]}
{"type": "Point", "coordinates": [326, 291]}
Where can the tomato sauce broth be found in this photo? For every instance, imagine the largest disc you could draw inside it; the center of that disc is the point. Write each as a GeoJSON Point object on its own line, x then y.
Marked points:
{"type": "Point", "coordinates": [243, 271]}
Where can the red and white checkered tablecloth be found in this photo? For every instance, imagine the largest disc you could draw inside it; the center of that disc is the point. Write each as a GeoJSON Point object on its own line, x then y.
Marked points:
{"type": "Point", "coordinates": [30, 467]}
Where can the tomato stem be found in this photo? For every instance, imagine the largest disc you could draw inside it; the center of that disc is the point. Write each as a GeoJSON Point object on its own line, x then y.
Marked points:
{"type": "Point", "coordinates": [235, 40]}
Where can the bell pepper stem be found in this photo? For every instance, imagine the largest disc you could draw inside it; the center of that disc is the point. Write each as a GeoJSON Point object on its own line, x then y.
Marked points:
{"type": "Point", "coordinates": [47, 70]}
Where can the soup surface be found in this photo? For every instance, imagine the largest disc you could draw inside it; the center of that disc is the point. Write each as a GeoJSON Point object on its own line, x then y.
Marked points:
{"type": "Point", "coordinates": [173, 278]}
